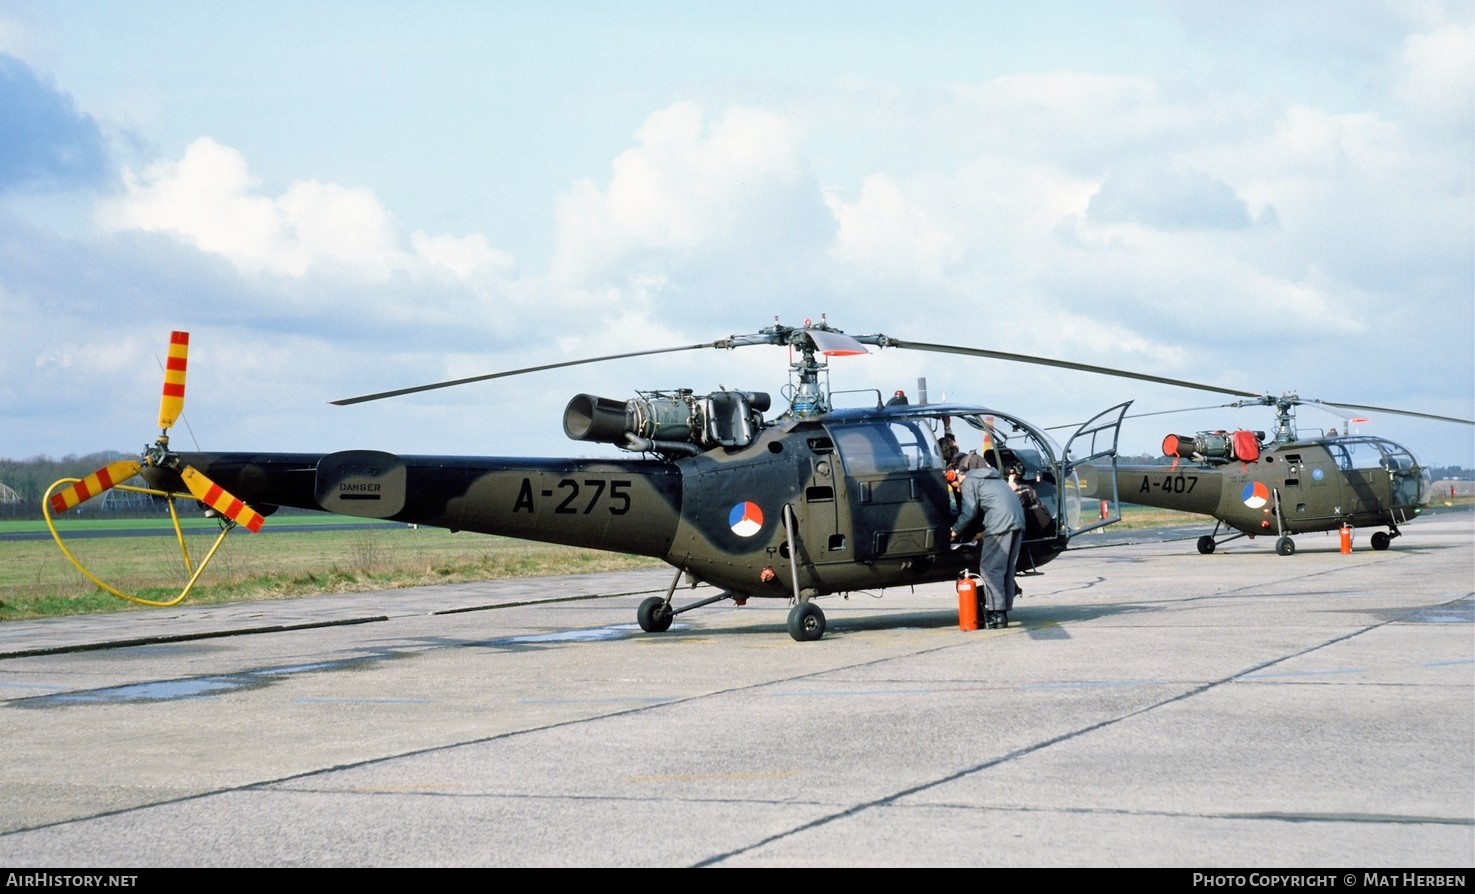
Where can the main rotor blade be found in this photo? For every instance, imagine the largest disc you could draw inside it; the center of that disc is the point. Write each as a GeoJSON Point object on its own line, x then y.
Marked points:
{"type": "Point", "coordinates": [171, 401]}
{"type": "Point", "coordinates": [516, 372]}
{"type": "Point", "coordinates": [106, 478]}
{"type": "Point", "coordinates": [216, 497]}
{"type": "Point", "coordinates": [1342, 406]}
{"type": "Point", "coordinates": [1061, 364]}
{"type": "Point", "coordinates": [835, 344]}
{"type": "Point", "coordinates": [1074, 425]}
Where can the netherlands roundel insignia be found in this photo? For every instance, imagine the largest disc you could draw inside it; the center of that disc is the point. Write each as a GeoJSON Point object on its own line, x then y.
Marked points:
{"type": "Point", "coordinates": [1255, 494]}
{"type": "Point", "coordinates": [746, 519]}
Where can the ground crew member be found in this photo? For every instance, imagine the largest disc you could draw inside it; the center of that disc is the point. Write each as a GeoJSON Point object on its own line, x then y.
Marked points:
{"type": "Point", "coordinates": [989, 502]}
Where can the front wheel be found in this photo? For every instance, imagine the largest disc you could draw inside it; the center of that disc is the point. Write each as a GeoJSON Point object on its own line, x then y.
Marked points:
{"type": "Point", "coordinates": [655, 615]}
{"type": "Point", "coordinates": [1381, 540]}
{"type": "Point", "coordinates": [1285, 546]}
{"type": "Point", "coordinates": [806, 622]}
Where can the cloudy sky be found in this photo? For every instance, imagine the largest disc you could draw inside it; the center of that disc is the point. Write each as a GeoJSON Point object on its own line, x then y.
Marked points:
{"type": "Point", "coordinates": [342, 198]}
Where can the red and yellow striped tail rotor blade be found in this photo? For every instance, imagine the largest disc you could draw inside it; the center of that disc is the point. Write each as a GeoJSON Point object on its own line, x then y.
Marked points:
{"type": "Point", "coordinates": [214, 496]}
{"type": "Point", "coordinates": [108, 477]}
{"type": "Point", "coordinates": [171, 404]}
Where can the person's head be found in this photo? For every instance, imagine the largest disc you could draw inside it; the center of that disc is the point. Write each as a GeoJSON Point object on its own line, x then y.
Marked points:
{"type": "Point", "coordinates": [972, 461]}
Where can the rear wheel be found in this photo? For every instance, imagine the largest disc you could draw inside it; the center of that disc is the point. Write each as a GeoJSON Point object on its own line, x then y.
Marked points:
{"type": "Point", "coordinates": [655, 615]}
{"type": "Point", "coordinates": [1285, 546]}
{"type": "Point", "coordinates": [1206, 544]}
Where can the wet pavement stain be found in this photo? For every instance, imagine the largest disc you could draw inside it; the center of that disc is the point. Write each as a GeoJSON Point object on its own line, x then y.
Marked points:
{"type": "Point", "coordinates": [1462, 612]}
{"type": "Point", "coordinates": [187, 688]}
{"type": "Point", "coordinates": [224, 684]}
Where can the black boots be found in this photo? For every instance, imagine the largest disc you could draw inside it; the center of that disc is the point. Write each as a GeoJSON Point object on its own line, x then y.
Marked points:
{"type": "Point", "coordinates": [995, 620]}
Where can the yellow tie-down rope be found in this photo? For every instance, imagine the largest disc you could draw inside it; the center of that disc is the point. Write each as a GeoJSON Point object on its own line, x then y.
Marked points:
{"type": "Point", "coordinates": [194, 572]}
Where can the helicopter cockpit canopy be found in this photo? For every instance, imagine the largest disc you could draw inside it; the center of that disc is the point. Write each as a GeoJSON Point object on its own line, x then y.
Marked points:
{"type": "Point", "coordinates": [883, 448]}
{"type": "Point", "coordinates": [907, 437]}
{"type": "Point", "coordinates": [1014, 444]}
{"type": "Point", "coordinates": [1367, 454]}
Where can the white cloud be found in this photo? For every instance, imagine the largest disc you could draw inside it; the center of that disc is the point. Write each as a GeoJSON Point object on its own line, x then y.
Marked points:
{"type": "Point", "coordinates": [1437, 75]}
{"type": "Point", "coordinates": [688, 189]}
{"type": "Point", "coordinates": [464, 256]}
{"type": "Point", "coordinates": [206, 198]}
{"type": "Point", "coordinates": [346, 225]}
{"type": "Point", "coordinates": [210, 199]}
{"type": "Point", "coordinates": [884, 232]}
{"type": "Point", "coordinates": [1074, 120]}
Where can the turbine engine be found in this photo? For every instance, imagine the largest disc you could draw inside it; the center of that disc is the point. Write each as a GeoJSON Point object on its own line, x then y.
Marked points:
{"type": "Point", "coordinates": [1215, 446]}
{"type": "Point", "coordinates": [672, 423]}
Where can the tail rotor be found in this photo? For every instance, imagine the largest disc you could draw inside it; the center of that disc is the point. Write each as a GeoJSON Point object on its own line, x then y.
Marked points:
{"type": "Point", "coordinates": [159, 456]}
{"type": "Point", "coordinates": [69, 493]}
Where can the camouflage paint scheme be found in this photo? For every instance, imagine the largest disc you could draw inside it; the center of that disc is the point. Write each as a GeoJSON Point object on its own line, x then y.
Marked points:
{"type": "Point", "coordinates": [1295, 487]}
{"type": "Point", "coordinates": [866, 490]}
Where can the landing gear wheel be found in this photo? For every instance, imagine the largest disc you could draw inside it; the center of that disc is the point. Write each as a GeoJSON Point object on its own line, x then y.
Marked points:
{"type": "Point", "coordinates": [806, 622]}
{"type": "Point", "coordinates": [1381, 540]}
{"type": "Point", "coordinates": [1285, 546]}
{"type": "Point", "coordinates": [1206, 544]}
{"type": "Point", "coordinates": [655, 615]}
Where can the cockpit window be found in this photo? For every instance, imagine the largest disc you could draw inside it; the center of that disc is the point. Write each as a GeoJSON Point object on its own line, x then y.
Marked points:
{"type": "Point", "coordinates": [1396, 458]}
{"type": "Point", "coordinates": [1372, 453]}
{"type": "Point", "coordinates": [1363, 454]}
{"type": "Point", "coordinates": [893, 446]}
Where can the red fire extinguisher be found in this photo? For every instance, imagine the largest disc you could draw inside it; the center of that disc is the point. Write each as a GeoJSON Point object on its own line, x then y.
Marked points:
{"type": "Point", "coordinates": [1346, 539]}
{"type": "Point", "coordinates": [968, 601]}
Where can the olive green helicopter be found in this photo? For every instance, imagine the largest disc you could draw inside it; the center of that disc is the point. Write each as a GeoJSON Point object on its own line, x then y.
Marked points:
{"type": "Point", "coordinates": [1283, 485]}
{"type": "Point", "coordinates": [816, 499]}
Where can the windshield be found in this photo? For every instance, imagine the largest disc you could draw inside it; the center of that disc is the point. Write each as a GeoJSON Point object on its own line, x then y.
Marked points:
{"type": "Point", "coordinates": [910, 438]}
{"type": "Point", "coordinates": [890, 446]}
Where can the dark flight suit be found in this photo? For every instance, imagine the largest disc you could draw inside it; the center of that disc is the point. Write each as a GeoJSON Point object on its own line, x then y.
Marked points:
{"type": "Point", "coordinates": [987, 499]}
